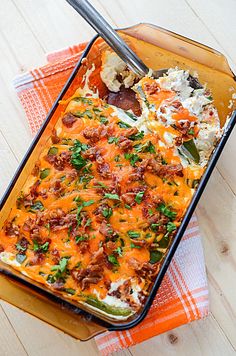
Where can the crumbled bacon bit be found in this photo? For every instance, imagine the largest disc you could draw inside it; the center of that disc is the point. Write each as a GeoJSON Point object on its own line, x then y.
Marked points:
{"type": "Point", "coordinates": [104, 170]}
{"type": "Point", "coordinates": [125, 99]}
{"type": "Point", "coordinates": [151, 88]}
{"type": "Point", "coordinates": [35, 170]}
{"type": "Point", "coordinates": [99, 212]}
{"type": "Point", "coordinates": [59, 161]}
{"type": "Point", "coordinates": [12, 229]}
{"type": "Point", "coordinates": [166, 171]}
{"type": "Point", "coordinates": [68, 120]}
{"type": "Point", "coordinates": [125, 144]}
{"type": "Point", "coordinates": [55, 139]}
{"type": "Point", "coordinates": [56, 256]}
{"type": "Point", "coordinates": [94, 271]}
{"type": "Point", "coordinates": [37, 259]}
{"type": "Point", "coordinates": [23, 243]}
{"type": "Point", "coordinates": [1, 248]}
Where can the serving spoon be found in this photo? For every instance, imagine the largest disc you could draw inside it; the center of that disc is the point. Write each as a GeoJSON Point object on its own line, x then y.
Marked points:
{"type": "Point", "coordinates": [102, 27]}
{"type": "Point", "coordinates": [134, 63]}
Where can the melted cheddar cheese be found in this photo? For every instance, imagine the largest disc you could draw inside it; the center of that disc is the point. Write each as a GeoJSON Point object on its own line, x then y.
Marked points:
{"type": "Point", "coordinates": [95, 218]}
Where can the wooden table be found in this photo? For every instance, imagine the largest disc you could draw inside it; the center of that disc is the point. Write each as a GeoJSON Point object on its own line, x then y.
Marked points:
{"type": "Point", "coordinates": [31, 28]}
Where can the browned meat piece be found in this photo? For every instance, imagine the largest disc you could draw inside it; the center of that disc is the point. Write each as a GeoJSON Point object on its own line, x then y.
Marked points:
{"type": "Point", "coordinates": [35, 170]}
{"type": "Point", "coordinates": [22, 244]}
{"type": "Point", "coordinates": [125, 99]}
{"type": "Point", "coordinates": [128, 198]}
{"type": "Point", "coordinates": [93, 153]}
{"type": "Point", "coordinates": [68, 120]}
{"type": "Point", "coordinates": [130, 132]}
{"type": "Point", "coordinates": [12, 229]}
{"type": "Point", "coordinates": [125, 144]}
{"type": "Point", "coordinates": [106, 230]}
{"type": "Point", "coordinates": [1, 248]}
{"type": "Point", "coordinates": [37, 259]}
{"type": "Point", "coordinates": [168, 170]}
{"type": "Point", "coordinates": [99, 212]}
{"type": "Point", "coordinates": [151, 88]}
{"type": "Point", "coordinates": [56, 187]}
{"type": "Point", "coordinates": [95, 134]}
{"type": "Point", "coordinates": [61, 161]}
{"type": "Point", "coordinates": [140, 243]}
{"type": "Point", "coordinates": [93, 273]}
{"type": "Point", "coordinates": [144, 270]}
{"type": "Point", "coordinates": [55, 139]}
{"type": "Point", "coordinates": [104, 170]}
{"type": "Point", "coordinates": [56, 256]}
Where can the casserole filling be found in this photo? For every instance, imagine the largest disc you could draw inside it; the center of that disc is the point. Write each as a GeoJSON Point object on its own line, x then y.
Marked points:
{"type": "Point", "coordinates": [95, 218]}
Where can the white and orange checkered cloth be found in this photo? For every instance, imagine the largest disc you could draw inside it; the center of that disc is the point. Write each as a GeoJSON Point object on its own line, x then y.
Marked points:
{"type": "Point", "coordinates": [183, 295]}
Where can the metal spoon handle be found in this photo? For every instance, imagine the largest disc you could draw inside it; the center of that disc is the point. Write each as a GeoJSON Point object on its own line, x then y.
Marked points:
{"type": "Point", "coordinates": [90, 14]}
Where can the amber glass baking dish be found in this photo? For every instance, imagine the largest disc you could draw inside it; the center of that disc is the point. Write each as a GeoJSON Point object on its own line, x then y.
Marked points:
{"type": "Point", "coordinates": [158, 48]}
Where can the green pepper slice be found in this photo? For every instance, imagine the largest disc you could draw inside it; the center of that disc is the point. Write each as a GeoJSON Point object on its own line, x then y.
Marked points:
{"type": "Point", "coordinates": [109, 309]}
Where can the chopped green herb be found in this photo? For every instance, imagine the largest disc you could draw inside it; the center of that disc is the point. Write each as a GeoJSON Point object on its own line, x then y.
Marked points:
{"type": "Point", "coordinates": [80, 238]}
{"type": "Point", "coordinates": [154, 226]}
{"type": "Point", "coordinates": [132, 157]}
{"type": "Point", "coordinates": [111, 196]}
{"type": "Point", "coordinates": [101, 185]}
{"type": "Point", "coordinates": [103, 120]}
{"type": "Point", "coordinates": [155, 256]}
{"type": "Point", "coordinates": [191, 132]}
{"type": "Point", "coordinates": [138, 136]}
{"type": "Point", "coordinates": [37, 206]}
{"type": "Point", "coordinates": [171, 226]}
{"type": "Point", "coordinates": [88, 223]}
{"type": "Point", "coordinates": [77, 160]}
{"type": "Point", "coordinates": [70, 291]}
{"type": "Point", "coordinates": [128, 206]}
{"type": "Point", "coordinates": [41, 248]}
{"type": "Point", "coordinates": [44, 173]}
{"type": "Point", "coordinates": [123, 125]}
{"type": "Point", "coordinates": [107, 212]}
{"type": "Point", "coordinates": [133, 234]}
{"type": "Point", "coordinates": [117, 158]}
{"type": "Point", "coordinates": [113, 140]}
{"type": "Point", "coordinates": [20, 248]}
{"type": "Point", "coordinates": [83, 100]}
{"type": "Point", "coordinates": [146, 147]}
{"type": "Point", "coordinates": [131, 115]}
{"type": "Point", "coordinates": [166, 211]}
{"type": "Point", "coordinates": [150, 212]}
{"type": "Point", "coordinates": [132, 245]}
{"type": "Point", "coordinates": [139, 197]}
{"type": "Point", "coordinates": [113, 260]}
{"type": "Point", "coordinates": [119, 251]}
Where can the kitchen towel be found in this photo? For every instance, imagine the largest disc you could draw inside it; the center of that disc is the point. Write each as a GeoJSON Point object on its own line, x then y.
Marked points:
{"type": "Point", "coordinates": [183, 295]}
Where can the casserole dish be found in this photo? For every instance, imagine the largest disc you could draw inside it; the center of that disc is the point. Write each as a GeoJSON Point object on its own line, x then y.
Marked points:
{"type": "Point", "coordinates": [205, 75]}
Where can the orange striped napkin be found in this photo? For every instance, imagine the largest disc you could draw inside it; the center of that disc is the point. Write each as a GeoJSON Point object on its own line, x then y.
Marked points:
{"type": "Point", "coordinates": [183, 295]}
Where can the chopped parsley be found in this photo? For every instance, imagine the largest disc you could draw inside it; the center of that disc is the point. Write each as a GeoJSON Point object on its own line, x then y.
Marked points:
{"type": "Point", "coordinates": [123, 125]}
{"type": "Point", "coordinates": [166, 211]}
{"type": "Point", "coordinates": [132, 245]}
{"type": "Point", "coordinates": [81, 238]}
{"type": "Point", "coordinates": [107, 212]}
{"type": "Point", "coordinates": [113, 139]}
{"type": "Point", "coordinates": [137, 136]}
{"type": "Point", "coordinates": [119, 251]}
{"type": "Point", "coordinates": [112, 259]}
{"type": "Point", "coordinates": [155, 256]}
{"type": "Point", "coordinates": [139, 197]}
{"type": "Point", "coordinates": [131, 115]}
{"type": "Point", "coordinates": [40, 248]}
{"type": "Point", "coordinates": [111, 196]}
{"type": "Point", "coordinates": [133, 234]}
{"type": "Point", "coordinates": [37, 206]}
{"type": "Point", "coordinates": [77, 160]}
{"type": "Point", "coordinates": [132, 157]}
{"type": "Point", "coordinates": [171, 226]}
{"type": "Point", "coordinates": [146, 147]}
{"type": "Point", "coordinates": [127, 206]}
